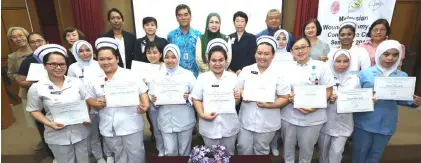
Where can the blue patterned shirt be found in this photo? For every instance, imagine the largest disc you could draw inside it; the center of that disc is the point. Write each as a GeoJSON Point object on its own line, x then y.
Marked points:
{"type": "Point", "coordinates": [187, 44]}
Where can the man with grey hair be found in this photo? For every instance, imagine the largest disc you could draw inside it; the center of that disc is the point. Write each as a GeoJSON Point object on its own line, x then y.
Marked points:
{"type": "Point", "coordinates": [273, 22]}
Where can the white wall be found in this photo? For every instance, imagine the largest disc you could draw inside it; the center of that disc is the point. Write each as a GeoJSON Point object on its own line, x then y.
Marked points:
{"type": "Point", "coordinates": [164, 12]}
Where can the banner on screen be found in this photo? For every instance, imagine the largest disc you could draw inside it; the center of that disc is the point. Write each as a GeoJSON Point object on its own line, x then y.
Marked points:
{"type": "Point", "coordinates": [164, 12]}
{"type": "Point", "coordinates": [332, 14]}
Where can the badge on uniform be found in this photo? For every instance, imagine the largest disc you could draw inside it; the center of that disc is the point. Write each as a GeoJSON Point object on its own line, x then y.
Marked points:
{"type": "Point", "coordinates": [254, 72]}
{"type": "Point", "coordinates": [215, 85]}
{"type": "Point", "coordinates": [102, 85]}
{"type": "Point", "coordinates": [186, 56]}
{"type": "Point", "coordinates": [80, 77]}
{"type": "Point", "coordinates": [56, 92]}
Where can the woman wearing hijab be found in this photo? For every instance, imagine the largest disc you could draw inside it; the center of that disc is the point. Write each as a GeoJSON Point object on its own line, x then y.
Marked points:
{"type": "Point", "coordinates": [154, 56]}
{"type": "Point", "coordinates": [360, 59]}
{"type": "Point", "coordinates": [378, 32]}
{"type": "Point", "coordinates": [373, 130]}
{"type": "Point", "coordinates": [176, 121]}
{"type": "Point", "coordinates": [260, 120]}
{"type": "Point", "coordinates": [217, 126]}
{"type": "Point", "coordinates": [339, 126]}
{"type": "Point", "coordinates": [121, 126]}
{"type": "Point", "coordinates": [84, 68]}
{"type": "Point", "coordinates": [212, 31]}
{"type": "Point", "coordinates": [303, 125]}
{"type": "Point", "coordinates": [71, 35]}
{"type": "Point", "coordinates": [67, 142]}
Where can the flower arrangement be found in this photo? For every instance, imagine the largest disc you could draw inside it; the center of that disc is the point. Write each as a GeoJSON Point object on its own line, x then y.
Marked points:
{"type": "Point", "coordinates": [203, 154]}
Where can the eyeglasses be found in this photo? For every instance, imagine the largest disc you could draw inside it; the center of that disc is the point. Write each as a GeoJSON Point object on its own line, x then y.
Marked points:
{"type": "Point", "coordinates": [39, 41]}
{"type": "Point", "coordinates": [54, 65]}
{"type": "Point", "coordinates": [303, 48]}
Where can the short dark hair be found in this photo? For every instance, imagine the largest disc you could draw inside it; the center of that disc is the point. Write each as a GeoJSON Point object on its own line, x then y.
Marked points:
{"type": "Point", "coordinates": [352, 28]}
{"type": "Point", "coordinates": [217, 49]}
{"type": "Point", "coordinates": [300, 38]}
{"type": "Point", "coordinates": [379, 21]}
{"type": "Point", "coordinates": [114, 10]}
{"type": "Point", "coordinates": [150, 46]}
{"type": "Point", "coordinates": [47, 56]}
{"type": "Point", "coordinates": [318, 26]}
{"type": "Point", "coordinates": [147, 20]}
{"type": "Point", "coordinates": [35, 33]}
{"type": "Point", "coordinates": [182, 6]}
{"type": "Point", "coordinates": [240, 14]}
{"type": "Point", "coordinates": [266, 43]}
{"type": "Point", "coordinates": [72, 29]}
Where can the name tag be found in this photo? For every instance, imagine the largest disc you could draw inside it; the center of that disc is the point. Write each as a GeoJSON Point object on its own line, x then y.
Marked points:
{"type": "Point", "coordinates": [56, 93]}
{"type": "Point", "coordinates": [254, 72]}
{"type": "Point", "coordinates": [80, 76]}
{"type": "Point", "coordinates": [215, 85]}
{"type": "Point", "coordinates": [102, 85]}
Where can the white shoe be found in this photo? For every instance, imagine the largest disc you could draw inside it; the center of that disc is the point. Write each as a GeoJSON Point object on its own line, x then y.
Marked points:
{"type": "Point", "coordinates": [101, 160]}
{"type": "Point", "coordinates": [110, 159]}
{"type": "Point", "coordinates": [275, 152]}
{"type": "Point", "coordinates": [54, 161]}
{"type": "Point", "coordinates": [161, 154]}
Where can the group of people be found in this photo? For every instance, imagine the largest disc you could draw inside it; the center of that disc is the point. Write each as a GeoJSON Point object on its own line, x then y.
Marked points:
{"type": "Point", "coordinates": [271, 62]}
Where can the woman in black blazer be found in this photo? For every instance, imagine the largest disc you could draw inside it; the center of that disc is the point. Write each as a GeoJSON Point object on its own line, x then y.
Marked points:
{"type": "Point", "coordinates": [125, 39]}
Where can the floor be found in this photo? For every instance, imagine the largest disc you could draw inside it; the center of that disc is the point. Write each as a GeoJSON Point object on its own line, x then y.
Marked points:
{"type": "Point", "coordinates": [18, 141]}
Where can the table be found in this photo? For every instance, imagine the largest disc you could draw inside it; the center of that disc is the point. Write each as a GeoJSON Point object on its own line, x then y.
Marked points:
{"type": "Point", "coordinates": [185, 159]}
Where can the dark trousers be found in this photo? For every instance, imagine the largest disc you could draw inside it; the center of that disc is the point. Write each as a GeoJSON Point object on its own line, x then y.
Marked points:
{"type": "Point", "coordinates": [41, 130]}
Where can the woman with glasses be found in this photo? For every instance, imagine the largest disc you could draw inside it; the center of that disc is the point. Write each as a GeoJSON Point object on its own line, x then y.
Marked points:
{"type": "Point", "coordinates": [303, 125]}
{"type": "Point", "coordinates": [378, 32]}
{"type": "Point", "coordinates": [68, 142]}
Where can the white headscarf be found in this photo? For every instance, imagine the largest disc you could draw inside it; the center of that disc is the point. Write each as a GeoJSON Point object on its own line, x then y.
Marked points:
{"type": "Point", "coordinates": [342, 77]}
{"type": "Point", "coordinates": [277, 33]}
{"type": "Point", "coordinates": [383, 47]}
{"type": "Point", "coordinates": [75, 50]}
{"type": "Point", "coordinates": [173, 48]}
{"type": "Point", "coordinates": [48, 48]}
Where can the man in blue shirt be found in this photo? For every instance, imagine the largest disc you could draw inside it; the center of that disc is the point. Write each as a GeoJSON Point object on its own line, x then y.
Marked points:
{"type": "Point", "coordinates": [273, 22]}
{"type": "Point", "coordinates": [185, 38]}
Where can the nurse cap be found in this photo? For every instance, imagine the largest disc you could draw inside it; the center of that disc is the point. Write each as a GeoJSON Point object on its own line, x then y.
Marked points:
{"type": "Point", "coordinates": [106, 42]}
{"type": "Point", "coordinates": [348, 23]}
{"type": "Point", "coordinates": [268, 39]}
{"type": "Point", "coordinates": [45, 49]}
{"type": "Point", "coordinates": [217, 42]}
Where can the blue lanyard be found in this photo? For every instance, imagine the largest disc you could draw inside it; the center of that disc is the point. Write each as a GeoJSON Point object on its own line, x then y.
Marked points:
{"type": "Point", "coordinates": [36, 58]}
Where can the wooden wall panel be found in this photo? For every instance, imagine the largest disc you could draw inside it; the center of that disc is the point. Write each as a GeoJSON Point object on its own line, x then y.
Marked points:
{"type": "Point", "coordinates": [5, 50]}
{"type": "Point", "coordinates": [64, 16]}
{"type": "Point", "coordinates": [15, 18]}
{"type": "Point", "coordinates": [125, 7]}
{"type": "Point", "coordinates": [13, 4]}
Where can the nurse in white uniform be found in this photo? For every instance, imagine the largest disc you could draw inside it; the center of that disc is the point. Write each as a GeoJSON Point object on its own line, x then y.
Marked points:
{"type": "Point", "coordinates": [339, 126]}
{"type": "Point", "coordinates": [84, 68]}
{"type": "Point", "coordinates": [176, 122]}
{"type": "Point", "coordinates": [283, 60]}
{"type": "Point", "coordinates": [303, 125]}
{"type": "Point", "coordinates": [217, 126]}
{"type": "Point", "coordinates": [260, 120]}
{"type": "Point", "coordinates": [122, 127]}
{"type": "Point", "coordinates": [154, 56]}
{"type": "Point", "coordinates": [360, 58]}
{"type": "Point", "coordinates": [68, 143]}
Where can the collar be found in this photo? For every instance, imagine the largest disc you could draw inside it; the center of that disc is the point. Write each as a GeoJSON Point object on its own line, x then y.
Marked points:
{"type": "Point", "coordinates": [116, 74]}
{"type": "Point", "coordinates": [48, 84]}
{"type": "Point", "coordinates": [21, 54]}
{"type": "Point", "coordinates": [146, 38]}
{"type": "Point", "coordinates": [181, 32]}
{"type": "Point", "coordinates": [379, 72]}
{"type": "Point", "coordinates": [223, 76]}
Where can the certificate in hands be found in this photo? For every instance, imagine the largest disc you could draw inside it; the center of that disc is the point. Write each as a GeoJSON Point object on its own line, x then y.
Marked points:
{"type": "Point", "coordinates": [310, 96]}
{"type": "Point", "coordinates": [259, 90]}
{"type": "Point", "coordinates": [36, 72]}
{"type": "Point", "coordinates": [146, 70]}
{"type": "Point", "coordinates": [219, 101]}
{"type": "Point", "coordinates": [121, 94]}
{"type": "Point", "coordinates": [70, 113]}
{"type": "Point", "coordinates": [169, 92]}
{"type": "Point", "coordinates": [395, 88]}
{"type": "Point", "coordinates": [356, 100]}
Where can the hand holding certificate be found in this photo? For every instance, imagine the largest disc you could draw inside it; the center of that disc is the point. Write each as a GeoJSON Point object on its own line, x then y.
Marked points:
{"type": "Point", "coordinates": [168, 93]}
{"type": "Point", "coordinates": [70, 113]}
{"type": "Point", "coordinates": [219, 102]}
{"type": "Point", "coordinates": [36, 72]}
{"type": "Point", "coordinates": [146, 70]}
{"type": "Point", "coordinates": [357, 100]}
{"type": "Point", "coordinates": [394, 88]}
{"type": "Point", "coordinates": [310, 96]}
{"type": "Point", "coordinates": [121, 94]}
